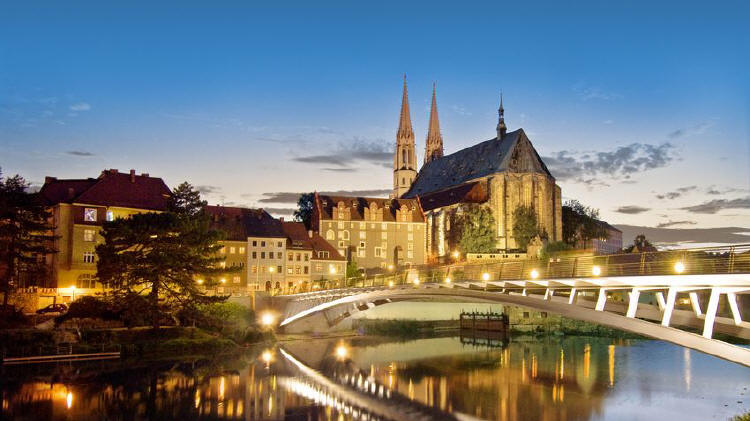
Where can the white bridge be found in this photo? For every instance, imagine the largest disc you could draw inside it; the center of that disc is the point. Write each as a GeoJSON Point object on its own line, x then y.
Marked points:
{"type": "Point", "coordinates": [686, 297]}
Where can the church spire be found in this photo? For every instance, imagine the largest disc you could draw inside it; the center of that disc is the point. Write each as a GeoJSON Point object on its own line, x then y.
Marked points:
{"type": "Point", "coordinates": [404, 123]}
{"type": "Point", "coordinates": [433, 148]}
{"type": "Point", "coordinates": [404, 157]}
{"type": "Point", "coordinates": [501, 129]}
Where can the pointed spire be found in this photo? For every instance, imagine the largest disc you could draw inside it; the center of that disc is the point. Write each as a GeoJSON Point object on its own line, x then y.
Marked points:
{"type": "Point", "coordinates": [434, 144]}
{"type": "Point", "coordinates": [501, 128]}
{"type": "Point", "coordinates": [404, 123]}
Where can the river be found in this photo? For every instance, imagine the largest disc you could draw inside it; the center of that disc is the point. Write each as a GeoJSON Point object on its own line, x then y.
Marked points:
{"type": "Point", "coordinates": [465, 378]}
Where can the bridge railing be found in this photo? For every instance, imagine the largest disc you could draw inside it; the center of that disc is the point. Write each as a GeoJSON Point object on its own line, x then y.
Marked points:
{"type": "Point", "coordinates": [704, 260]}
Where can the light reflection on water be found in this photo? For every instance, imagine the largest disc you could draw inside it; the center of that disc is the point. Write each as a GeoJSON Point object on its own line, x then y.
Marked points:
{"type": "Point", "coordinates": [575, 378]}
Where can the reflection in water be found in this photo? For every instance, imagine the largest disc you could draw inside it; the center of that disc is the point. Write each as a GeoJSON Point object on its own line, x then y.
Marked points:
{"type": "Point", "coordinates": [438, 378]}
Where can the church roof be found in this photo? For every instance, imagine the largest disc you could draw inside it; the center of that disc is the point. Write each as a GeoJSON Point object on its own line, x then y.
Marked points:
{"type": "Point", "coordinates": [472, 192]}
{"type": "Point", "coordinates": [481, 160]}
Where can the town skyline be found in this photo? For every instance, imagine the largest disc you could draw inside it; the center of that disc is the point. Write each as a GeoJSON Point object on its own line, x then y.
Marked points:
{"type": "Point", "coordinates": [666, 148]}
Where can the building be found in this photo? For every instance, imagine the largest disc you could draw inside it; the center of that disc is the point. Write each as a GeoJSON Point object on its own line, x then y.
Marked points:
{"type": "Point", "coordinates": [502, 174]}
{"type": "Point", "coordinates": [79, 208]}
{"type": "Point", "coordinates": [405, 157]}
{"type": "Point", "coordinates": [373, 232]}
{"type": "Point", "coordinates": [311, 261]}
{"type": "Point", "coordinates": [609, 245]}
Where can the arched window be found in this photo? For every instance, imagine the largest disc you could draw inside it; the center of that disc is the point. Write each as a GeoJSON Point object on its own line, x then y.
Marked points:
{"type": "Point", "coordinates": [330, 235]}
{"type": "Point", "coordinates": [345, 235]}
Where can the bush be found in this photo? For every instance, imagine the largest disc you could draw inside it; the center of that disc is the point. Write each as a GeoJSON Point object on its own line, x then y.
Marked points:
{"type": "Point", "coordinates": [89, 307]}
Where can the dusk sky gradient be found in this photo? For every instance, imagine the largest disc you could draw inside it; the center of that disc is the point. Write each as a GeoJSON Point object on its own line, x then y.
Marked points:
{"type": "Point", "coordinates": [640, 109]}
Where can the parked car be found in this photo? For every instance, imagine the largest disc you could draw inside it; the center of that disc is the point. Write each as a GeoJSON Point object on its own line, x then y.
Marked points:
{"type": "Point", "coordinates": [53, 308]}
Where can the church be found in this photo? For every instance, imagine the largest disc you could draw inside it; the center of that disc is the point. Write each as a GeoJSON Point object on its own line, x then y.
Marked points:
{"type": "Point", "coordinates": [501, 173]}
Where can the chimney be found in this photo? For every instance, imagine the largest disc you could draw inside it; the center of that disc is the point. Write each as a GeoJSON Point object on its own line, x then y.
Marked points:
{"type": "Point", "coordinates": [310, 233]}
{"type": "Point", "coordinates": [145, 174]}
{"type": "Point", "coordinates": [132, 176]}
{"type": "Point", "coordinates": [71, 193]}
{"type": "Point", "coordinates": [113, 171]}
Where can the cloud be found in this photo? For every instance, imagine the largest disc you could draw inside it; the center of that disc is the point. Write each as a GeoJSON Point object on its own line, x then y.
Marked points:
{"type": "Point", "coordinates": [80, 106]}
{"type": "Point", "coordinates": [619, 163]}
{"type": "Point", "coordinates": [690, 131]}
{"type": "Point", "coordinates": [340, 169]}
{"type": "Point", "coordinates": [79, 153]}
{"type": "Point", "coordinates": [460, 109]}
{"type": "Point", "coordinates": [676, 193]}
{"type": "Point", "coordinates": [673, 223]}
{"type": "Point", "coordinates": [208, 189]}
{"type": "Point", "coordinates": [632, 209]}
{"type": "Point", "coordinates": [587, 93]}
{"type": "Point", "coordinates": [377, 152]}
{"type": "Point", "coordinates": [289, 197]}
{"type": "Point", "coordinates": [715, 191]}
{"type": "Point", "coordinates": [716, 205]}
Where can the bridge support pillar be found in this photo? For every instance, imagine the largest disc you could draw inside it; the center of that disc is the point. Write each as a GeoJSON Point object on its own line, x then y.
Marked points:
{"type": "Point", "coordinates": [669, 307]}
{"type": "Point", "coordinates": [732, 298]}
{"type": "Point", "coordinates": [635, 294]}
{"type": "Point", "coordinates": [573, 294]}
{"type": "Point", "coordinates": [548, 294]}
{"type": "Point", "coordinates": [660, 300]}
{"type": "Point", "coordinates": [713, 305]}
{"type": "Point", "coordinates": [695, 304]}
{"type": "Point", "coordinates": [601, 300]}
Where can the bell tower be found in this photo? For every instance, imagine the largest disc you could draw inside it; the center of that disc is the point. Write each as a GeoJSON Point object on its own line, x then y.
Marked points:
{"type": "Point", "coordinates": [404, 158]}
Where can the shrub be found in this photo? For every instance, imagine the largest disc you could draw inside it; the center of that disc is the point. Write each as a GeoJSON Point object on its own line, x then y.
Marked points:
{"type": "Point", "coordinates": [90, 307]}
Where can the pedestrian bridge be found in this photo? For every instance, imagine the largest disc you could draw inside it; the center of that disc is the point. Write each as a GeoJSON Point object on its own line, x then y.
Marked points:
{"type": "Point", "coordinates": [688, 297]}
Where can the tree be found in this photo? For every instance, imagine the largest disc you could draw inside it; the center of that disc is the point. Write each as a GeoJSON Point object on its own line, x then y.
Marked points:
{"type": "Point", "coordinates": [186, 200]}
{"type": "Point", "coordinates": [641, 244]}
{"type": "Point", "coordinates": [26, 236]}
{"type": "Point", "coordinates": [476, 226]}
{"type": "Point", "coordinates": [160, 255]}
{"type": "Point", "coordinates": [525, 226]}
{"type": "Point", "coordinates": [580, 224]}
{"type": "Point", "coordinates": [304, 208]}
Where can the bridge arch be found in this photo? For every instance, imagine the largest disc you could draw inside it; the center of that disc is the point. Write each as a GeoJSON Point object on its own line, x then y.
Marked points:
{"type": "Point", "coordinates": [322, 315]}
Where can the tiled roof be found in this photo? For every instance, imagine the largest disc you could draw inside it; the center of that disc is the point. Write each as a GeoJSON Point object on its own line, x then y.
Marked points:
{"type": "Point", "coordinates": [298, 237]}
{"type": "Point", "coordinates": [326, 204]}
{"type": "Point", "coordinates": [112, 188]}
{"type": "Point", "coordinates": [241, 223]}
{"type": "Point", "coordinates": [473, 192]}
{"type": "Point", "coordinates": [481, 160]}
{"type": "Point", "coordinates": [320, 244]}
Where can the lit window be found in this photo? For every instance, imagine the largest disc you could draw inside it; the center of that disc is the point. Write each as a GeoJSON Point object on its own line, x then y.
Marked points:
{"type": "Point", "coordinates": [409, 227]}
{"type": "Point", "coordinates": [318, 267]}
{"type": "Point", "coordinates": [330, 235]}
{"type": "Point", "coordinates": [242, 250]}
{"type": "Point", "coordinates": [232, 250]}
{"type": "Point", "coordinates": [384, 226]}
{"type": "Point", "coordinates": [341, 225]}
{"type": "Point", "coordinates": [307, 270]}
{"type": "Point", "coordinates": [379, 252]}
{"type": "Point", "coordinates": [410, 237]}
{"type": "Point", "coordinates": [254, 269]}
{"type": "Point", "coordinates": [89, 215]}
{"type": "Point", "coordinates": [363, 235]}
{"type": "Point", "coordinates": [89, 235]}
{"type": "Point", "coordinates": [262, 243]}
{"type": "Point", "coordinates": [362, 225]}
{"type": "Point", "coordinates": [110, 215]}
{"type": "Point", "coordinates": [410, 254]}
{"type": "Point", "coordinates": [89, 257]}
{"type": "Point", "coordinates": [222, 250]}
{"type": "Point", "coordinates": [384, 235]}
{"type": "Point", "coordinates": [410, 246]}
{"type": "Point", "coordinates": [236, 279]}
{"type": "Point", "coordinates": [279, 244]}
{"type": "Point", "coordinates": [290, 270]}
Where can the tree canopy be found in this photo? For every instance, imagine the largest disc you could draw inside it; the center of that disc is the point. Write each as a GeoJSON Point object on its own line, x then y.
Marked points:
{"type": "Point", "coordinates": [26, 236]}
{"type": "Point", "coordinates": [476, 226]}
{"type": "Point", "coordinates": [304, 208]}
{"type": "Point", "coordinates": [525, 226]}
{"type": "Point", "coordinates": [186, 200]}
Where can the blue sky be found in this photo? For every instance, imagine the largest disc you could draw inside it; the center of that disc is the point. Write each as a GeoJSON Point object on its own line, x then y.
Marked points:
{"type": "Point", "coordinates": [641, 110]}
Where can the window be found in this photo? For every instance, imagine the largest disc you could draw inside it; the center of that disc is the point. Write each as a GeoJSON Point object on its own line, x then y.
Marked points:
{"type": "Point", "coordinates": [341, 225]}
{"type": "Point", "coordinates": [89, 235]}
{"type": "Point", "coordinates": [323, 255]}
{"type": "Point", "coordinates": [410, 246]}
{"type": "Point", "coordinates": [279, 255]}
{"type": "Point", "coordinates": [279, 244]}
{"type": "Point", "coordinates": [346, 235]}
{"type": "Point", "coordinates": [525, 314]}
{"type": "Point", "coordinates": [362, 244]}
{"type": "Point", "coordinates": [383, 226]}
{"type": "Point", "coordinates": [236, 279]}
{"type": "Point", "coordinates": [410, 237]}
{"type": "Point", "coordinates": [262, 243]}
{"type": "Point", "coordinates": [290, 270]}
{"type": "Point", "coordinates": [362, 225]}
{"type": "Point", "coordinates": [255, 255]}
{"type": "Point", "coordinates": [222, 250]}
{"type": "Point", "coordinates": [409, 227]}
{"type": "Point", "coordinates": [255, 243]}
{"type": "Point", "coordinates": [232, 250]}
{"type": "Point", "coordinates": [409, 254]}
{"type": "Point", "coordinates": [543, 314]}
{"type": "Point", "coordinates": [110, 215]}
{"type": "Point", "coordinates": [88, 257]}
{"type": "Point", "coordinates": [262, 254]}
{"type": "Point", "coordinates": [242, 250]}
{"type": "Point", "coordinates": [298, 256]}
{"type": "Point", "coordinates": [254, 269]}
{"type": "Point", "coordinates": [330, 235]}
{"type": "Point", "coordinates": [361, 252]}
{"type": "Point", "coordinates": [290, 257]}
{"type": "Point", "coordinates": [341, 244]}
{"type": "Point", "coordinates": [363, 235]}
{"type": "Point", "coordinates": [307, 270]}
{"type": "Point", "coordinates": [297, 270]}
{"type": "Point", "coordinates": [278, 269]}
{"type": "Point", "coordinates": [319, 267]}
{"type": "Point", "coordinates": [89, 215]}
{"type": "Point", "coordinates": [307, 257]}
{"type": "Point", "coordinates": [384, 235]}
{"type": "Point", "coordinates": [379, 252]}
{"type": "Point", "coordinates": [86, 280]}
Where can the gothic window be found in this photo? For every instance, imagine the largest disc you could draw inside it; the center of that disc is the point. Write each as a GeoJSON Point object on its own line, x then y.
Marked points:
{"type": "Point", "coordinates": [403, 157]}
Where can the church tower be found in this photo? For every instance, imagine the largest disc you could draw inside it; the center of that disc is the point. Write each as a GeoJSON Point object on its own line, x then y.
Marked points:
{"type": "Point", "coordinates": [404, 159]}
{"type": "Point", "coordinates": [501, 129]}
{"type": "Point", "coordinates": [433, 148]}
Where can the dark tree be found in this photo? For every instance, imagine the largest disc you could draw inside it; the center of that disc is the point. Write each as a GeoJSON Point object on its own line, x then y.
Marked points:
{"type": "Point", "coordinates": [186, 200]}
{"type": "Point", "coordinates": [160, 256]}
{"type": "Point", "coordinates": [525, 226]}
{"type": "Point", "coordinates": [580, 224]}
{"type": "Point", "coordinates": [476, 226]}
{"type": "Point", "coordinates": [640, 244]}
{"type": "Point", "coordinates": [304, 208]}
{"type": "Point", "coordinates": [26, 236]}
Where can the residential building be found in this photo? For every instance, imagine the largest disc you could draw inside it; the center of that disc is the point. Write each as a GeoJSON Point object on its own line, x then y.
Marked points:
{"type": "Point", "coordinates": [80, 207]}
{"type": "Point", "coordinates": [373, 232]}
{"type": "Point", "coordinates": [311, 261]}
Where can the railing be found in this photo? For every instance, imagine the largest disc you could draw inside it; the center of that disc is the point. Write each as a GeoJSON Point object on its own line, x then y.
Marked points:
{"type": "Point", "coordinates": [704, 261]}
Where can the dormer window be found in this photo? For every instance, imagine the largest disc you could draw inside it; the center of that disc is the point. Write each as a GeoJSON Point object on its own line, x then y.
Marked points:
{"type": "Point", "coordinates": [89, 215]}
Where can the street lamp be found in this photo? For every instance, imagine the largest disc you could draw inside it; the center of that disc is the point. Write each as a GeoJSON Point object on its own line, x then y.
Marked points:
{"type": "Point", "coordinates": [456, 254]}
{"type": "Point", "coordinates": [390, 284]}
{"type": "Point", "coordinates": [199, 281]}
{"type": "Point", "coordinates": [73, 290]}
{"type": "Point", "coordinates": [486, 276]}
{"type": "Point", "coordinates": [341, 352]}
{"type": "Point", "coordinates": [596, 270]}
{"type": "Point", "coordinates": [679, 267]}
{"type": "Point", "coordinates": [448, 280]}
{"type": "Point", "coordinates": [267, 319]}
{"type": "Point", "coordinates": [390, 268]}
{"type": "Point", "coordinates": [534, 273]}
{"type": "Point", "coordinates": [416, 281]}
{"type": "Point", "coordinates": [223, 280]}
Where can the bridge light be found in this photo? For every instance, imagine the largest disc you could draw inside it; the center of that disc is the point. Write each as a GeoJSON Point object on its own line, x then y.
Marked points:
{"type": "Point", "coordinates": [390, 284]}
{"type": "Point", "coordinates": [448, 280]}
{"type": "Point", "coordinates": [596, 270]}
{"type": "Point", "coordinates": [266, 319]}
{"type": "Point", "coordinates": [342, 351]}
{"type": "Point", "coordinates": [486, 276]}
{"type": "Point", "coordinates": [679, 267]}
{"type": "Point", "coordinates": [534, 273]}
{"type": "Point", "coordinates": [267, 356]}
{"type": "Point", "coordinates": [416, 281]}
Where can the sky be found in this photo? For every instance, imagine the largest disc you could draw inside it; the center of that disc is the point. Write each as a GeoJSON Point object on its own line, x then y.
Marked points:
{"type": "Point", "coordinates": [640, 109]}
